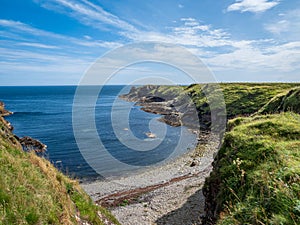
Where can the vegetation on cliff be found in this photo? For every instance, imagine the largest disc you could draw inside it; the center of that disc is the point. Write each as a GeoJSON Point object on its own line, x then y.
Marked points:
{"type": "Point", "coordinates": [32, 191]}
{"type": "Point", "coordinates": [288, 100]}
{"type": "Point", "coordinates": [256, 174]}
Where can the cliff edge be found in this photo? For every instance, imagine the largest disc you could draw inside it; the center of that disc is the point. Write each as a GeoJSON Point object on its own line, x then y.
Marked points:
{"type": "Point", "coordinates": [33, 191]}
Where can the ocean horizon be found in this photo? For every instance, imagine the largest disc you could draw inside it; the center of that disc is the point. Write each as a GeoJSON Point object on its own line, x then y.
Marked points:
{"type": "Point", "coordinates": [45, 113]}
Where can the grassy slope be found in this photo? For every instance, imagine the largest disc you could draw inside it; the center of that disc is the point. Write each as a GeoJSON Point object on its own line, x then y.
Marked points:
{"type": "Point", "coordinates": [240, 98]}
{"type": "Point", "coordinates": [32, 191]}
{"type": "Point", "coordinates": [256, 175]}
{"type": "Point", "coordinates": [288, 100]}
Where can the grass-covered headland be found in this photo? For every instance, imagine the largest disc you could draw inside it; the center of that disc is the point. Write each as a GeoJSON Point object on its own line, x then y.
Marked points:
{"type": "Point", "coordinates": [32, 191]}
{"type": "Point", "coordinates": [256, 173]}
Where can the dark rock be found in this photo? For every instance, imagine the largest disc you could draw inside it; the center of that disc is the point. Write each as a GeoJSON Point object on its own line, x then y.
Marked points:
{"type": "Point", "coordinates": [193, 164]}
{"type": "Point", "coordinates": [152, 99]}
{"type": "Point", "coordinates": [30, 144]}
{"type": "Point", "coordinates": [3, 111]}
{"type": "Point", "coordinates": [171, 119]}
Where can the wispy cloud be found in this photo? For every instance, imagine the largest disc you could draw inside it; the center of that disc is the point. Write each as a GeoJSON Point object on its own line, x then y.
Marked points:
{"type": "Point", "coordinates": [22, 28]}
{"type": "Point", "coordinates": [214, 45]}
{"type": "Point", "coordinates": [254, 6]}
{"type": "Point", "coordinates": [37, 45]}
{"type": "Point", "coordinates": [44, 67]}
{"type": "Point", "coordinates": [88, 13]}
{"type": "Point", "coordinates": [189, 32]}
{"type": "Point", "coordinates": [29, 50]}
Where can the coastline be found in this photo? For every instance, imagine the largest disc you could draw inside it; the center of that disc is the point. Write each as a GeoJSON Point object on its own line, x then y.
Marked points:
{"type": "Point", "coordinates": [151, 196]}
{"type": "Point", "coordinates": [166, 194]}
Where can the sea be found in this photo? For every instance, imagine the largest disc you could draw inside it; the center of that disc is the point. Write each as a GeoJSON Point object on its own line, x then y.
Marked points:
{"type": "Point", "coordinates": [46, 113]}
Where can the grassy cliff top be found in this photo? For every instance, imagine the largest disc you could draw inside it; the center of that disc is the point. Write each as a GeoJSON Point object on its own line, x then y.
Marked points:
{"type": "Point", "coordinates": [32, 191]}
{"type": "Point", "coordinates": [240, 98]}
{"type": "Point", "coordinates": [256, 175]}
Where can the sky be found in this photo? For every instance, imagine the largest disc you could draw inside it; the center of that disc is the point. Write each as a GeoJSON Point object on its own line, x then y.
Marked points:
{"type": "Point", "coordinates": [54, 42]}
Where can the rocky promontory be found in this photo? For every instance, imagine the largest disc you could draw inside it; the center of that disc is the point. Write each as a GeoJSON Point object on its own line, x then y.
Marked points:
{"type": "Point", "coordinates": [175, 106]}
{"type": "Point", "coordinates": [27, 143]}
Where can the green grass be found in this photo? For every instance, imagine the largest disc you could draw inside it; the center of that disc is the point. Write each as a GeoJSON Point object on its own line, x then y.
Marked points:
{"type": "Point", "coordinates": [32, 191]}
{"type": "Point", "coordinates": [240, 98]}
{"type": "Point", "coordinates": [286, 101]}
{"type": "Point", "coordinates": [256, 176]}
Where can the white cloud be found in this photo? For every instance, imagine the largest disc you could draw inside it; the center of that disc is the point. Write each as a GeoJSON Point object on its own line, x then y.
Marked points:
{"type": "Point", "coordinates": [189, 33]}
{"type": "Point", "coordinates": [287, 26]}
{"type": "Point", "coordinates": [278, 27]}
{"type": "Point", "coordinates": [254, 6]}
{"type": "Point", "coordinates": [87, 37]}
{"type": "Point", "coordinates": [280, 58]}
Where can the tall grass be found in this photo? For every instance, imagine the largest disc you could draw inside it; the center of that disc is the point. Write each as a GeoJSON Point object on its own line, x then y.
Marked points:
{"type": "Point", "coordinates": [256, 176]}
{"type": "Point", "coordinates": [32, 191]}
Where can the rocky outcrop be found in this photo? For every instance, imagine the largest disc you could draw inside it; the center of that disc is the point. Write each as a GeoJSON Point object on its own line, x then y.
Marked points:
{"type": "Point", "coordinates": [3, 111]}
{"type": "Point", "coordinates": [30, 144]}
{"type": "Point", "coordinates": [26, 143]}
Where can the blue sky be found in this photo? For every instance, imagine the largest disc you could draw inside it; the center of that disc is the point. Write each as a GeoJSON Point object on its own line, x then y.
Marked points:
{"type": "Point", "coordinates": [53, 42]}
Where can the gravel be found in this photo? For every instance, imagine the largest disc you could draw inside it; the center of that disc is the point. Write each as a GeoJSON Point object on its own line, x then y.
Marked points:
{"type": "Point", "coordinates": [180, 202]}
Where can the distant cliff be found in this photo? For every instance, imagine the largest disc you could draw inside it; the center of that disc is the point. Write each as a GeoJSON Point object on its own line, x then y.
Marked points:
{"type": "Point", "coordinates": [33, 191]}
{"type": "Point", "coordinates": [176, 103]}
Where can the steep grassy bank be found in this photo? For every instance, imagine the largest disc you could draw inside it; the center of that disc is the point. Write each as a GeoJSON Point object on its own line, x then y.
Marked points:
{"type": "Point", "coordinates": [32, 191]}
{"type": "Point", "coordinates": [256, 175]}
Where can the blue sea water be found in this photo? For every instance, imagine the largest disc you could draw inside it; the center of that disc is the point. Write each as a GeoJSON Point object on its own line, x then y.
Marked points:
{"type": "Point", "coordinates": [45, 113]}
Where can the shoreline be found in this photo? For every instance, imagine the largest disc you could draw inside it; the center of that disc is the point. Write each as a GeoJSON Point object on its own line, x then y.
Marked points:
{"type": "Point", "coordinates": [148, 197]}
{"type": "Point", "coordinates": [170, 193]}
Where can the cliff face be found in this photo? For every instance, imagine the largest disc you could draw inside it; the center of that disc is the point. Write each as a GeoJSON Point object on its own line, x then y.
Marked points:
{"type": "Point", "coordinates": [6, 128]}
{"type": "Point", "coordinates": [155, 99]}
{"type": "Point", "coordinates": [33, 191]}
